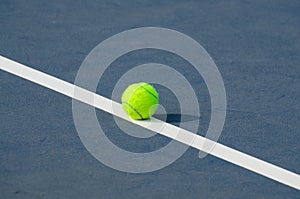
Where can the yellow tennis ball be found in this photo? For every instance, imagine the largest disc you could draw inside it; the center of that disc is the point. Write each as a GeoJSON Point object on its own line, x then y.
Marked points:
{"type": "Point", "coordinates": [140, 101]}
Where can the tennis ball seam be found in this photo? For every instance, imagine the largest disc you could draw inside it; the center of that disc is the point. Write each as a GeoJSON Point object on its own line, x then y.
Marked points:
{"type": "Point", "coordinates": [149, 92]}
{"type": "Point", "coordinates": [134, 109]}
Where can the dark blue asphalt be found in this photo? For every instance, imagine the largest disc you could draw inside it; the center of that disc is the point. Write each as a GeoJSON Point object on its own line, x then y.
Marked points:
{"type": "Point", "coordinates": [255, 44]}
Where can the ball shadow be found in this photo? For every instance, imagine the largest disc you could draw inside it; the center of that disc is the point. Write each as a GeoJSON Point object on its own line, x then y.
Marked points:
{"type": "Point", "coordinates": [176, 118]}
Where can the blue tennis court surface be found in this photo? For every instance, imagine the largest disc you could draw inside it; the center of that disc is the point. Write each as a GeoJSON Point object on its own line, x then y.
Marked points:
{"type": "Point", "coordinates": [255, 45]}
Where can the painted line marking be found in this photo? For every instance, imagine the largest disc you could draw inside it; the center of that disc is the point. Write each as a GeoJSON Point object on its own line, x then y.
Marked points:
{"type": "Point", "coordinates": [221, 151]}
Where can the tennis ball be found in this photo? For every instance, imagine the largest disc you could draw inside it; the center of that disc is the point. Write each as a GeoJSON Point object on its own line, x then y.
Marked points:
{"type": "Point", "coordinates": [140, 101]}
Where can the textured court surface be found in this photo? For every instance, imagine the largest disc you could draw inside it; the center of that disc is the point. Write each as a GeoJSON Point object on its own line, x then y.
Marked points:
{"type": "Point", "coordinates": [255, 44]}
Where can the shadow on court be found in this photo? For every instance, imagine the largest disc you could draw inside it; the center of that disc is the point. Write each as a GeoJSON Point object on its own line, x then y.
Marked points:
{"type": "Point", "coordinates": [176, 117]}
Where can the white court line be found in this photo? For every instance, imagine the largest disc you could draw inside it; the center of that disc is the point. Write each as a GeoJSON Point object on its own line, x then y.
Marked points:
{"type": "Point", "coordinates": [221, 151]}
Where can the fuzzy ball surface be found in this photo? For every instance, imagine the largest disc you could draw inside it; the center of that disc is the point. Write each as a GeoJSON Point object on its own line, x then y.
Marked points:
{"type": "Point", "coordinates": [140, 101]}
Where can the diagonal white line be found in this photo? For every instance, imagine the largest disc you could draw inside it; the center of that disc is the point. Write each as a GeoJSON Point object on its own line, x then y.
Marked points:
{"type": "Point", "coordinates": [221, 151]}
